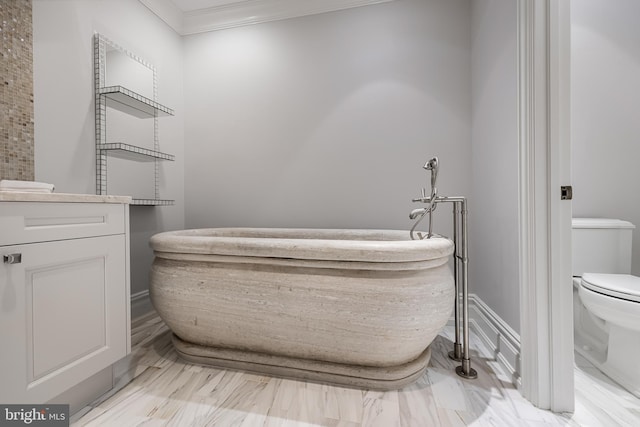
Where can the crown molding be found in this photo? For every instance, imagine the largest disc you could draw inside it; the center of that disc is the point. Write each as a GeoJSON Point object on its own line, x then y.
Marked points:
{"type": "Point", "coordinates": [244, 13]}
{"type": "Point", "coordinates": [167, 11]}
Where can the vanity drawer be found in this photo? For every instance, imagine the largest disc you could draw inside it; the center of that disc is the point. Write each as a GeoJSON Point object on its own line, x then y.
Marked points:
{"type": "Point", "coordinates": [24, 222]}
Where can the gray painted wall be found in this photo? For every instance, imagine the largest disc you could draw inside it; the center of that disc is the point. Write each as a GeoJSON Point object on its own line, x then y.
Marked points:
{"type": "Point", "coordinates": [319, 121]}
{"type": "Point", "coordinates": [605, 101]}
{"type": "Point", "coordinates": [64, 106]}
{"type": "Point", "coordinates": [493, 258]}
{"type": "Point", "coordinates": [326, 120]}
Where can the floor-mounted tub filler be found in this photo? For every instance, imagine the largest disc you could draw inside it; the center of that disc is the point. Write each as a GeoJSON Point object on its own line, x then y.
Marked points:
{"type": "Point", "coordinates": [349, 307]}
{"type": "Point", "coordinates": [460, 350]}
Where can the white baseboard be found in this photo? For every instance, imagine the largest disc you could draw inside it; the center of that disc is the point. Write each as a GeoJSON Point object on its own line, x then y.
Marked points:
{"type": "Point", "coordinates": [82, 394]}
{"type": "Point", "coordinates": [140, 304]}
{"type": "Point", "coordinates": [497, 336]}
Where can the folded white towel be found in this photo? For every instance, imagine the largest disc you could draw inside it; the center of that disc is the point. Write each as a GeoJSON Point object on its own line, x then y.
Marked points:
{"type": "Point", "coordinates": [26, 186]}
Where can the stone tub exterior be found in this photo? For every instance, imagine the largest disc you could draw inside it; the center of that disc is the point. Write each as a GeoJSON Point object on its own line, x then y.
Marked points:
{"type": "Point", "coordinates": [351, 307]}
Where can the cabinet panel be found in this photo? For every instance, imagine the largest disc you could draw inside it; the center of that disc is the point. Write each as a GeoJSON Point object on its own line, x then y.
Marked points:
{"type": "Point", "coordinates": [36, 222]}
{"type": "Point", "coordinates": [54, 331]}
{"type": "Point", "coordinates": [63, 315]}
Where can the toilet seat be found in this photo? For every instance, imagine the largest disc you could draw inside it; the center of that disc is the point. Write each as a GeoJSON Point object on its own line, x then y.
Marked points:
{"type": "Point", "coordinates": [622, 286]}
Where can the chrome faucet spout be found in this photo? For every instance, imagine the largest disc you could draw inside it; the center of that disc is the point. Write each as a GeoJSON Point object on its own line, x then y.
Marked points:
{"type": "Point", "coordinates": [414, 213]}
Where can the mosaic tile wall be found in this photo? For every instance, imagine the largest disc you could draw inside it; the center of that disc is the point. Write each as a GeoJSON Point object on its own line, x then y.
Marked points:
{"type": "Point", "coordinates": [16, 90]}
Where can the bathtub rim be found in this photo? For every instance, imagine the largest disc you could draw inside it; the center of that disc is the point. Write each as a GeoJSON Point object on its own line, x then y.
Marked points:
{"type": "Point", "coordinates": [383, 246]}
{"type": "Point", "coordinates": [309, 264]}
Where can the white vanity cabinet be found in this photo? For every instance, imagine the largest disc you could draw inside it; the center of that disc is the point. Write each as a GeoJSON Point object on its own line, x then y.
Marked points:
{"type": "Point", "coordinates": [64, 292]}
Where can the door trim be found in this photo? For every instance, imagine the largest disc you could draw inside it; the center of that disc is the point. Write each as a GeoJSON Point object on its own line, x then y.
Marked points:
{"type": "Point", "coordinates": [546, 319]}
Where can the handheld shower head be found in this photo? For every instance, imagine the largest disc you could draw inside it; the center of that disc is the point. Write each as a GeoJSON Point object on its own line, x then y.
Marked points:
{"type": "Point", "coordinates": [432, 165]}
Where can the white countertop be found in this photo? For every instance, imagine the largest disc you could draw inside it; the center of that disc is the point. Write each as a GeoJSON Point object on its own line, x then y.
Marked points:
{"type": "Point", "coordinates": [12, 196]}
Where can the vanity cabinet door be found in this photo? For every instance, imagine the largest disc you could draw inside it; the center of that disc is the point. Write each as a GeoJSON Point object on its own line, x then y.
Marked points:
{"type": "Point", "coordinates": [63, 314]}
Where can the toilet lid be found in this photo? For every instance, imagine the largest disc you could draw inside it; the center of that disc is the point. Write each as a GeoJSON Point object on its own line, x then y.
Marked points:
{"type": "Point", "coordinates": [624, 286]}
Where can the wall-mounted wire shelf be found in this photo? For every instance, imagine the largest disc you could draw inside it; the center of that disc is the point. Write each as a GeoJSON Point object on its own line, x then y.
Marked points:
{"type": "Point", "coordinates": [133, 103]}
{"type": "Point", "coordinates": [131, 152]}
{"type": "Point", "coordinates": [152, 202]}
{"type": "Point", "coordinates": [125, 100]}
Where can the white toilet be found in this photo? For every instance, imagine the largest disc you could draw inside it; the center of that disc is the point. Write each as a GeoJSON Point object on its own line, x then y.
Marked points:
{"type": "Point", "coordinates": [607, 299]}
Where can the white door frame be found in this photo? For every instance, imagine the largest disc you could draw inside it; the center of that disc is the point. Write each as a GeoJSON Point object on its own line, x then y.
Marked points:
{"type": "Point", "coordinates": [546, 319]}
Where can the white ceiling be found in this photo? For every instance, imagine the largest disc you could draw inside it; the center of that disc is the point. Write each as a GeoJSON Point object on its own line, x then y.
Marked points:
{"type": "Point", "coordinates": [197, 16]}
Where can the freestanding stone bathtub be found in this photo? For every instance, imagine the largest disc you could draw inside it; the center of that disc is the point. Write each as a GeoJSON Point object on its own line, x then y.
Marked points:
{"type": "Point", "coordinates": [350, 307]}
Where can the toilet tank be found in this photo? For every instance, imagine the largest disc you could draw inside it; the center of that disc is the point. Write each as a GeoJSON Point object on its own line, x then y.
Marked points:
{"type": "Point", "coordinates": [601, 246]}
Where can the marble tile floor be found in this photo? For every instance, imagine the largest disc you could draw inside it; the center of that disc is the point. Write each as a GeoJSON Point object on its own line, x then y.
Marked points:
{"type": "Point", "coordinates": [168, 392]}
